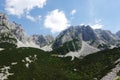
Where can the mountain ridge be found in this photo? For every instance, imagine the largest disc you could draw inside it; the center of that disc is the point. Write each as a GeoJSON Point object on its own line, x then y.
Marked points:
{"type": "Point", "coordinates": [70, 39]}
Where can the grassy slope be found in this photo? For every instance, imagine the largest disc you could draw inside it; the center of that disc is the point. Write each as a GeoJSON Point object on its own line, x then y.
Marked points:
{"type": "Point", "coordinates": [47, 67]}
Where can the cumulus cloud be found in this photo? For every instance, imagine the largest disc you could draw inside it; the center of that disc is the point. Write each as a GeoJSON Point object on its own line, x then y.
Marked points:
{"type": "Point", "coordinates": [73, 12]}
{"type": "Point", "coordinates": [19, 7]}
{"type": "Point", "coordinates": [56, 21]}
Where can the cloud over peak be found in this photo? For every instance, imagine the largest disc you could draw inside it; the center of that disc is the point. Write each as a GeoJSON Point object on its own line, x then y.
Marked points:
{"type": "Point", "coordinates": [56, 21]}
{"type": "Point", "coordinates": [97, 24]}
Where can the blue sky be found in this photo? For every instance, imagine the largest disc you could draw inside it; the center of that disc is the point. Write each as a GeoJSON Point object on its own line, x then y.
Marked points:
{"type": "Point", "coordinates": [53, 16]}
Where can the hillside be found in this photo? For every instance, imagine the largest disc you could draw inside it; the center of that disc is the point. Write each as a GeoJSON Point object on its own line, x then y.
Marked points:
{"type": "Point", "coordinates": [35, 64]}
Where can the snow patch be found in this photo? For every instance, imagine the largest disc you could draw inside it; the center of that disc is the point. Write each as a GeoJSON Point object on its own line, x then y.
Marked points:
{"type": "Point", "coordinates": [85, 50]}
{"type": "Point", "coordinates": [29, 60]}
{"type": "Point", "coordinates": [4, 73]}
{"type": "Point", "coordinates": [14, 63]}
{"type": "Point", "coordinates": [1, 49]}
{"type": "Point", "coordinates": [27, 65]}
{"type": "Point", "coordinates": [75, 70]}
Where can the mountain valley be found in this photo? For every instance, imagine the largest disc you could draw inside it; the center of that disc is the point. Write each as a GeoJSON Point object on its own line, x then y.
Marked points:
{"type": "Point", "coordinates": [77, 53]}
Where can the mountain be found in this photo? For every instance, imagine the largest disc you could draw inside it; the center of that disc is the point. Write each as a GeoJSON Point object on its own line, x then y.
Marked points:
{"type": "Point", "coordinates": [118, 34]}
{"type": "Point", "coordinates": [20, 39]}
{"type": "Point", "coordinates": [69, 40]}
{"type": "Point", "coordinates": [84, 33]}
{"type": "Point", "coordinates": [72, 39]}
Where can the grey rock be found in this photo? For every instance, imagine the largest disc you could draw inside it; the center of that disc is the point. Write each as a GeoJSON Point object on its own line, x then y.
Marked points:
{"type": "Point", "coordinates": [106, 36]}
{"type": "Point", "coordinates": [98, 38]}
{"type": "Point", "coordinates": [15, 30]}
{"type": "Point", "coordinates": [118, 34]}
{"type": "Point", "coordinates": [42, 40]}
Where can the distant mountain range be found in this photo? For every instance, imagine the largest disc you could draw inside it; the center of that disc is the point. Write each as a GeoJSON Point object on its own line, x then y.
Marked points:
{"type": "Point", "coordinates": [69, 40]}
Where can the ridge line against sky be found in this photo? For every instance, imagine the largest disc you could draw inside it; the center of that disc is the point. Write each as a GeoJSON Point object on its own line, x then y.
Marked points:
{"type": "Point", "coordinates": [53, 16]}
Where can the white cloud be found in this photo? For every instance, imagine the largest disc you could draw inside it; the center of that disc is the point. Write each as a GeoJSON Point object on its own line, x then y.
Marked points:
{"type": "Point", "coordinates": [19, 7]}
{"type": "Point", "coordinates": [30, 18]}
{"type": "Point", "coordinates": [97, 26]}
{"type": "Point", "coordinates": [34, 19]}
{"type": "Point", "coordinates": [73, 12]}
{"type": "Point", "coordinates": [56, 21]}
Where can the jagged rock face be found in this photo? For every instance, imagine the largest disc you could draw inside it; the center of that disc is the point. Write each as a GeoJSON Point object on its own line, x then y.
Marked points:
{"type": "Point", "coordinates": [39, 39]}
{"type": "Point", "coordinates": [67, 35]}
{"type": "Point", "coordinates": [106, 36]}
{"type": "Point", "coordinates": [3, 19]}
{"type": "Point", "coordinates": [83, 32]}
{"type": "Point", "coordinates": [19, 33]}
{"type": "Point", "coordinates": [88, 33]}
{"type": "Point", "coordinates": [101, 39]}
{"type": "Point", "coordinates": [42, 40]}
{"type": "Point", "coordinates": [12, 28]}
{"type": "Point", "coordinates": [3, 23]}
{"type": "Point", "coordinates": [49, 39]}
{"type": "Point", "coordinates": [118, 34]}
{"type": "Point", "coordinates": [68, 40]}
